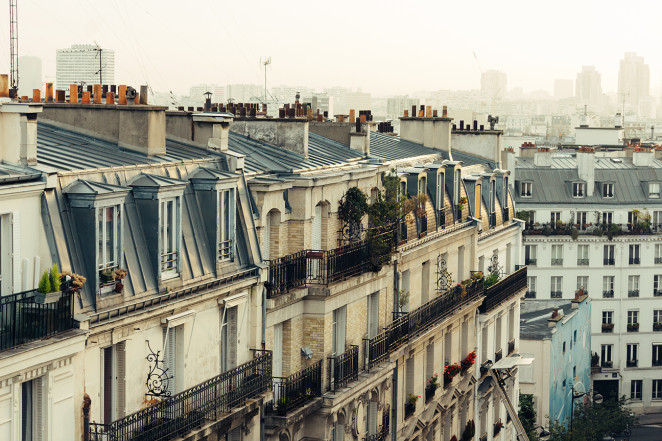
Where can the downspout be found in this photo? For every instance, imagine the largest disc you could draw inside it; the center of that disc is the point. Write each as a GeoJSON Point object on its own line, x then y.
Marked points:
{"type": "Point", "coordinates": [264, 317]}
{"type": "Point", "coordinates": [394, 399]}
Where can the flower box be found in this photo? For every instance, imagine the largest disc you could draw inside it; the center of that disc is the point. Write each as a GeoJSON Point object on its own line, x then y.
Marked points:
{"type": "Point", "coordinates": [47, 298]}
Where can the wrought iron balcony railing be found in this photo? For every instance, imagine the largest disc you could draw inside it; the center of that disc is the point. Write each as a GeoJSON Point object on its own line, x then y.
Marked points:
{"type": "Point", "coordinates": [23, 320]}
{"type": "Point", "coordinates": [557, 262]}
{"type": "Point", "coordinates": [609, 261]}
{"type": "Point", "coordinates": [343, 368]}
{"type": "Point", "coordinates": [600, 229]}
{"type": "Point", "coordinates": [297, 389]}
{"type": "Point", "coordinates": [633, 293]}
{"type": "Point", "coordinates": [658, 260]}
{"type": "Point", "coordinates": [582, 262]}
{"type": "Point", "coordinates": [177, 415]}
{"type": "Point", "coordinates": [504, 289]}
{"type": "Point", "coordinates": [530, 295]}
{"type": "Point", "coordinates": [555, 294]}
{"type": "Point", "coordinates": [531, 262]}
{"type": "Point", "coordinates": [634, 261]}
{"type": "Point", "coordinates": [608, 294]}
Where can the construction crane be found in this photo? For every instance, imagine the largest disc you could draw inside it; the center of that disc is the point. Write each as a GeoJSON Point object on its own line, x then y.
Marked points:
{"type": "Point", "coordinates": [13, 48]}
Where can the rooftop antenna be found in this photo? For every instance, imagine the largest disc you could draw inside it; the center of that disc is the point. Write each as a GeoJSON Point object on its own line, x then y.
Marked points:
{"type": "Point", "coordinates": [13, 48]}
{"type": "Point", "coordinates": [100, 71]}
{"type": "Point", "coordinates": [266, 62]}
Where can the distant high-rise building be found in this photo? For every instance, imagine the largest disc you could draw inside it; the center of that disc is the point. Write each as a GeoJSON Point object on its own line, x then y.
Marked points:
{"type": "Point", "coordinates": [244, 93]}
{"type": "Point", "coordinates": [633, 79]}
{"type": "Point", "coordinates": [588, 87]}
{"type": "Point", "coordinates": [396, 105]}
{"type": "Point", "coordinates": [563, 89]}
{"type": "Point", "coordinates": [197, 93]}
{"type": "Point", "coordinates": [287, 94]}
{"type": "Point", "coordinates": [80, 64]}
{"type": "Point", "coordinates": [29, 75]}
{"type": "Point", "coordinates": [358, 101]}
{"type": "Point", "coordinates": [494, 83]}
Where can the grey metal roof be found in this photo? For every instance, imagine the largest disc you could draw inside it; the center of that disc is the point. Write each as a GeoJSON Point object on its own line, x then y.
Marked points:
{"type": "Point", "coordinates": [11, 173]}
{"type": "Point", "coordinates": [534, 316]}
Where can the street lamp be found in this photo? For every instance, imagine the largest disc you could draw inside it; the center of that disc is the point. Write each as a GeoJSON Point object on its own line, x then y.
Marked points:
{"type": "Point", "coordinates": [597, 398]}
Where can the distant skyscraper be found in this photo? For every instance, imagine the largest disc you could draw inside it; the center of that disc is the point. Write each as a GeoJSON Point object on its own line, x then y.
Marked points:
{"type": "Point", "coordinates": [396, 105]}
{"type": "Point", "coordinates": [29, 75]}
{"type": "Point", "coordinates": [588, 86]}
{"type": "Point", "coordinates": [633, 79]}
{"type": "Point", "coordinates": [80, 63]}
{"type": "Point", "coordinates": [563, 89]}
{"type": "Point", "coordinates": [197, 93]}
{"type": "Point", "coordinates": [494, 83]}
{"type": "Point", "coordinates": [244, 93]}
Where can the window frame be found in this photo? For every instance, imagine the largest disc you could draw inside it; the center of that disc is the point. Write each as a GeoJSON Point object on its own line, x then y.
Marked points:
{"type": "Point", "coordinates": [635, 390]}
{"type": "Point", "coordinates": [656, 390]}
{"type": "Point", "coordinates": [226, 224]}
{"type": "Point", "coordinates": [606, 186]}
{"type": "Point", "coordinates": [526, 189]}
{"type": "Point", "coordinates": [174, 239]}
{"type": "Point", "coordinates": [578, 190]}
{"type": "Point", "coordinates": [654, 190]}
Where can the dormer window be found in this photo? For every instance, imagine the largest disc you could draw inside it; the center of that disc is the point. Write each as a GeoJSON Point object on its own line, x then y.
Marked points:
{"type": "Point", "coordinates": [169, 236]}
{"type": "Point", "coordinates": [526, 189]}
{"type": "Point", "coordinates": [492, 196]}
{"type": "Point", "coordinates": [108, 238]}
{"type": "Point", "coordinates": [441, 218]}
{"type": "Point", "coordinates": [608, 190]}
{"type": "Point", "coordinates": [457, 185]}
{"type": "Point", "coordinates": [654, 190]}
{"type": "Point", "coordinates": [505, 193]}
{"type": "Point", "coordinates": [478, 201]}
{"type": "Point", "coordinates": [578, 189]}
{"type": "Point", "coordinates": [226, 224]}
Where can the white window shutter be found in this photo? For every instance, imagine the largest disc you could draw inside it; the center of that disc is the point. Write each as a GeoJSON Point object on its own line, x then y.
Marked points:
{"type": "Point", "coordinates": [341, 326]}
{"type": "Point", "coordinates": [16, 251]}
{"type": "Point", "coordinates": [235, 434]}
{"type": "Point", "coordinates": [317, 229]}
{"type": "Point", "coordinates": [429, 368]}
{"type": "Point", "coordinates": [410, 376]}
{"type": "Point", "coordinates": [266, 237]}
{"type": "Point", "coordinates": [120, 378]}
{"type": "Point", "coordinates": [170, 343]}
{"type": "Point", "coordinates": [38, 409]}
{"type": "Point", "coordinates": [373, 301]}
{"type": "Point", "coordinates": [372, 418]}
{"type": "Point", "coordinates": [232, 333]}
{"type": "Point", "coordinates": [278, 350]}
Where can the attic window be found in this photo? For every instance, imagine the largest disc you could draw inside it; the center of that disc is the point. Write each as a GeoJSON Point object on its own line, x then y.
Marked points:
{"type": "Point", "coordinates": [226, 225]}
{"type": "Point", "coordinates": [608, 190]}
{"type": "Point", "coordinates": [478, 201]}
{"type": "Point", "coordinates": [654, 190]}
{"type": "Point", "coordinates": [578, 189]}
{"type": "Point", "coordinates": [108, 238]}
{"type": "Point", "coordinates": [168, 236]}
{"type": "Point", "coordinates": [527, 189]}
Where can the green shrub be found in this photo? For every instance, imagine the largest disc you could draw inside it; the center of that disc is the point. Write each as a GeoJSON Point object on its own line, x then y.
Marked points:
{"type": "Point", "coordinates": [491, 279]}
{"type": "Point", "coordinates": [44, 283]}
{"type": "Point", "coordinates": [55, 278]}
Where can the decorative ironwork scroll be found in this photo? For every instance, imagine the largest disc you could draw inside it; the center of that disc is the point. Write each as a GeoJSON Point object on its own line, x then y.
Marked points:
{"type": "Point", "coordinates": [444, 277]}
{"type": "Point", "coordinates": [351, 232]}
{"type": "Point", "coordinates": [158, 379]}
{"type": "Point", "coordinates": [494, 267]}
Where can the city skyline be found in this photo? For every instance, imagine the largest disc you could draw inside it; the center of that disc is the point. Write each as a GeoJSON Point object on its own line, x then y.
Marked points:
{"type": "Point", "coordinates": [421, 48]}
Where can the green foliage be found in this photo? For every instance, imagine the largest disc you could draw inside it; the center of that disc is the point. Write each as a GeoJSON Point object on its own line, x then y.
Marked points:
{"type": "Point", "coordinates": [44, 283]}
{"type": "Point", "coordinates": [593, 421]}
{"type": "Point", "coordinates": [527, 415]}
{"type": "Point", "coordinates": [54, 277]}
{"type": "Point", "coordinates": [523, 215]}
{"type": "Point", "coordinates": [574, 233]}
{"type": "Point", "coordinates": [469, 431]}
{"type": "Point", "coordinates": [353, 206]}
{"type": "Point", "coordinates": [491, 279]}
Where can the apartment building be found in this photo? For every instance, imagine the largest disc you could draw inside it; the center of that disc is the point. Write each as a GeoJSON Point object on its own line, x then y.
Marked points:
{"type": "Point", "coordinates": [593, 217]}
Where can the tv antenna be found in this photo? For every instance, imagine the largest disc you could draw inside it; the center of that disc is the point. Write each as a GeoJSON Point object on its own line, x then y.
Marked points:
{"type": "Point", "coordinates": [100, 71]}
{"type": "Point", "coordinates": [13, 48]}
{"type": "Point", "coordinates": [266, 62]}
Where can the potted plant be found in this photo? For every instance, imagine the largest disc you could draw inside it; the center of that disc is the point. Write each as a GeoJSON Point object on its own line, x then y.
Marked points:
{"type": "Point", "coordinates": [431, 387]}
{"type": "Point", "coordinates": [607, 327]}
{"type": "Point", "coordinates": [450, 371]}
{"type": "Point", "coordinates": [497, 427]}
{"type": "Point", "coordinates": [469, 431]}
{"type": "Point", "coordinates": [410, 404]}
{"type": "Point", "coordinates": [48, 290]}
{"type": "Point", "coordinates": [119, 274]}
{"type": "Point", "coordinates": [72, 281]}
{"type": "Point", "coordinates": [657, 326]}
{"type": "Point", "coordinates": [579, 292]}
{"type": "Point", "coordinates": [633, 327]}
{"type": "Point", "coordinates": [106, 277]}
{"type": "Point", "coordinates": [469, 361]}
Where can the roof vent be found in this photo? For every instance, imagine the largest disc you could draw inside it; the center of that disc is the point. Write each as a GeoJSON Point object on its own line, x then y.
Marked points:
{"type": "Point", "coordinates": [616, 160]}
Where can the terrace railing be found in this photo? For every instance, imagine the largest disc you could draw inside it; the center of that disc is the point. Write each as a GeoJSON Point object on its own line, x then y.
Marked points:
{"type": "Point", "coordinates": [297, 389]}
{"type": "Point", "coordinates": [602, 229]}
{"type": "Point", "coordinates": [343, 368]}
{"type": "Point", "coordinates": [23, 320]}
{"type": "Point", "coordinates": [504, 289]}
{"type": "Point", "coordinates": [177, 415]}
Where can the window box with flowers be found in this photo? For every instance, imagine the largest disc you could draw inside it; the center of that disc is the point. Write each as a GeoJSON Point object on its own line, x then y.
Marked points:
{"type": "Point", "coordinates": [431, 387]}
{"type": "Point", "coordinates": [657, 326]}
{"type": "Point", "coordinates": [450, 371]}
{"type": "Point", "coordinates": [469, 361]}
{"type": "Point", "coordinates": [607, 327]}
{"type": "Point", "coordinates": [410, 404]}
{"type": "Point", "coordinates": [633, 327]}
{"type": "Point", "coordinates": [497, 427]}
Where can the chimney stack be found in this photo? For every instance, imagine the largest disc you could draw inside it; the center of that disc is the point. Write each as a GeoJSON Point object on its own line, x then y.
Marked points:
{"type": "Point", "coordinates": [4, 86]}
{"type": "Point", "coordinates": [18, 129]}
{"type": "Point", "coordinates": [586, 168]}
{"type": "Point", "coordinates": [642, 157]}
{"type": "Point", "coordinates": [543, 157]}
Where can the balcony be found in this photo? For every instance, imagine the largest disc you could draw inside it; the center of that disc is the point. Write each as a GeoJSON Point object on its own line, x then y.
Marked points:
{"type": "Point", "coordinates": [501, 291]}
{"type": "Point", "coordinates": [601, 229]}
{"type": "Point", "coordinates": [657, 326]}
{"type": "Point", "coordinates": [177, 415]}
{"type": "Point", "coordinates": [582, 262]}
{"type": "Point", "coordinates": [657, 292]}
{"type": "Point", "coordinates": [320, 267]}
{"type": "Point", "coordinates": [498, 355]}
{"type": "Point", "coordinates": [511, 346]}
{"type": "Point", "coordinates": [382, 432]}
{"type": "Point", "coordinates": [405, 325]}
{"type": "Point", "coordinates": [656, 362]}
{"type": "Point", "coordinates": [23, 320]}
{"type": "Point", "coordinates": [633, 293]}
{"type": "Point", "coordinates": [297, 389]}
{"type": "Point", "coordinates": [609, 294]}
{"type": "Point", "coordinates": [557, 262]}
{"type": "Point", "coordinates": [633, 327]}
{"type": "Point", "coordinates": [658, 260]}
{"type": "Point", "coordinates": [609, 261]}
{"type": "Point", "coordinates": [530, 295]}
{"type": "Point", "coordinates": [634, 261]}
{"type": "Point", "coordinates": [343, 368]}
{"type": "Point", "coordinates": [555, 294]}
{"type": "Point", "coordinates": [631, 363]}
{"type": "Point", "coordinates": [531, 262]}
{"type": "Point", "coordinates": [607, 328]}
{"type": "Point", "coordinates": [607, 364]}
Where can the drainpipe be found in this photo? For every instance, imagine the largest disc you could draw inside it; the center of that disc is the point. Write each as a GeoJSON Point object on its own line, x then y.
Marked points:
{"type": "Point", "coordinates": [264, 318]}
{"type": "Point", "coordinates": [394, 399]}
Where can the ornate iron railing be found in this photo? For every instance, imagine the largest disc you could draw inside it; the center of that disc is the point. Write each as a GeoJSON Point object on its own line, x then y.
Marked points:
{"type": "Point", "coordinates": [23, 320]}
{"type": "Point", "coordinates": [188, 410]}
{"type": "Point", "coordinates": [607, 229]}
{"type": "Point", "coordinates": [297, 389]}
{"type": "Point", "coordinates": [504, 289]}
{"type": "Point", "coordinates": [343, 368]}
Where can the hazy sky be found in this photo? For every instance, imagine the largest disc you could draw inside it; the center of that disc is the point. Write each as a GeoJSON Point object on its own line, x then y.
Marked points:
{"type": "Point", "coordinates": [383, 47]}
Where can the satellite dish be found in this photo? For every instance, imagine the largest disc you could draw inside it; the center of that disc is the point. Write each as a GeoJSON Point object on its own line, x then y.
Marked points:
{"type": "Point", "coordinates": [131, 93]}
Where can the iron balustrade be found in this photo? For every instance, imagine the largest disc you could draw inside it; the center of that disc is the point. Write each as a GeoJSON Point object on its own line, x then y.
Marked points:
{"type": "Point", "coordinates": [658, 260]}
{"type": "Point", "coordinates": [531, 262]}
{"type": "Point", "coordinates": [555, 294]}
{"type": "Point", "coordinates": [581, 262]}
{"type": "Point", "coordinates": [657, 292]}
{"type": "Point", "coordinates": [608, 294]}
{"type": "Point", "coordinates": [343, 368]}
{"type": "Point", "coordinates": [609, 261]}
{"type": "Point", "coordinates": [297, 389]}
{"type": "Point", "coordinates": [601, 229]}
{"type": "Point", "coordinates": [23, 320]}
{"type": "Point", "coordinates": [530, 295]}
{"type": "Point", "coordinates": [177, 415]}
{"type": "Point", "coordinates": [225, 249]}
{"type": "Point", "coordinates": [504, 289]}
{"type": "Point", "coordinates": [557, 262]}
{"type": "Point", "coordinates": [634, 260]}
{"type": "Point", "coordinates": [631, 363]}
{"type": "Point", "coordinates": [633, 293]}
{"type": "Point", "coordinates": [321, 267]}
{"type": "Point", "coordinates": [382, 431]}
{"type": "Point", "coordinates": [405, 325]}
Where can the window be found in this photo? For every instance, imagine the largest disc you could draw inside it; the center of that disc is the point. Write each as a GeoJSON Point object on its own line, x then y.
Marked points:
{"type": "Point", "coordinates": [657, 390]}
{"type": "Point", "coordinates": [635, 389]}
{"type": "Point", "coordinates": [557, 254]}
{"type": "Point", "coordinates": [657, 355]}
{"type": "Point", "coordinates": [657, 316]}
{"type": "Point", "coordinates": [582, 283]}
{"type": "Point", "coordinates": [527, 188]}
{"type": "Point", "coordinates": [657, 220]}
{"type": "Point", "coordinates": [169, 237]}
{"type": "Point", "coordinates": [226, 226]}
{"type": "Point", "coordinates": [634, 254]}
{"type": "Point", "coordinates": [113, 379]}
{"type": "Point", "coordinates": [564, 350]}
{"type": "Point", "coordinates": [633, 286]}
{"type": "Point", "coordinates": [531, 287]}
{"type": "Point", "coordinates": [373, 314]}
{"type": "Point", "coordinates": [32, 410]}
{"type": "Point", "coordinates": [633, 320]}
{"type": "Point", "coordinates": [229, 337]}
{"type": "Point", "coordinates": [578, 189]}
{"type": "Point", "coordinates": [607, 317]}
{"type": "Point", "coordinates": [654, 190]}
{"type": "Point", "coordinates": [582, 255]}
{"type": "Point", "coordinates": [458, 185]}
{"type": "Point", "coordinates": [632, 350]}
{"type": "Point", "coordinates": [477, 201]}
{"type": "Point", "coordinates": [609, 255]}
{"type": "Point", "coordinates": [658, 253]}
{"type": "Point", "coordinates": [608, 286]}
{"type": "Point", "coordinates": [339, 327]}
{"type": "Point", "coordinates": [582, 223]}
{"type": "Point", "coordinates": [108, 238]}
{"type": "Point", "coordinates": [505, 193]}
{"type": "Point", "coordinates": [530, 254]}
{"type": "Point", "coordinates": [557, 283]}
{"type": "Point", "coordinates": [555, 216]}
{"type": "Point", "coordinates": [633, 218]}
{"type": "Point", "coordinates": [606, 355]}
{"type": "Point", "coordinates": [608, 190]}
{"type": "Point", "coordinates": [607, 217]}
{"type": "Point", "coordinates": [441, 218]}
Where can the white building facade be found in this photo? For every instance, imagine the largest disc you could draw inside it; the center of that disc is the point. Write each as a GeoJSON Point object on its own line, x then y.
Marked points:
{"type": "Point", "coordinates": [80, 63]}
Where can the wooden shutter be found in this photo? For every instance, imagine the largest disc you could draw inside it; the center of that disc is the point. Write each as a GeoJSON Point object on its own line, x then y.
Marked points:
{"type": "Point", "coordinates": [341, 327]}
{"type": "Point", "coordinates": [278, 350]}
{"type": "Point", "coordinates": [317, 229]}
{"type": "Point", "coordinates": [38, 409]}
{"type": "Point", "coordinates": [266, 237]}
{"type": "Point", "coordinates": [120, 378]}
{"type": "Point", "coordinates": [235, 434]}
{"type": "Point", "coordinates": [232, 337]}
{"type": "Point", "coordinates": [169, 356]}
{"type": "Point", "coordinates": [372, 418]}
{"type": "Point", "coordinates": [14, 226]}
{"type": "Point", "coordinates": [373, 315]}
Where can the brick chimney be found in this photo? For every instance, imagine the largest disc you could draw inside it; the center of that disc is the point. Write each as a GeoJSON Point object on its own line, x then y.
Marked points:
{"type": "Point", "coordinates": [287, 133]}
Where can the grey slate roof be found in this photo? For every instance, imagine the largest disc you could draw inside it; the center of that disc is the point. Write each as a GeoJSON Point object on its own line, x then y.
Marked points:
{"type": "Point", "coordinates": [554, 184]}
{"type": "Point", "coordinates": [534, 315]}
{"type": "Point", "coordinates": [10, 173]}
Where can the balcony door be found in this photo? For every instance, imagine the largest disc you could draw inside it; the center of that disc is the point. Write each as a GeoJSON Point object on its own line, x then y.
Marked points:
{"type": "Point", "coordinates": [7, 233]}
